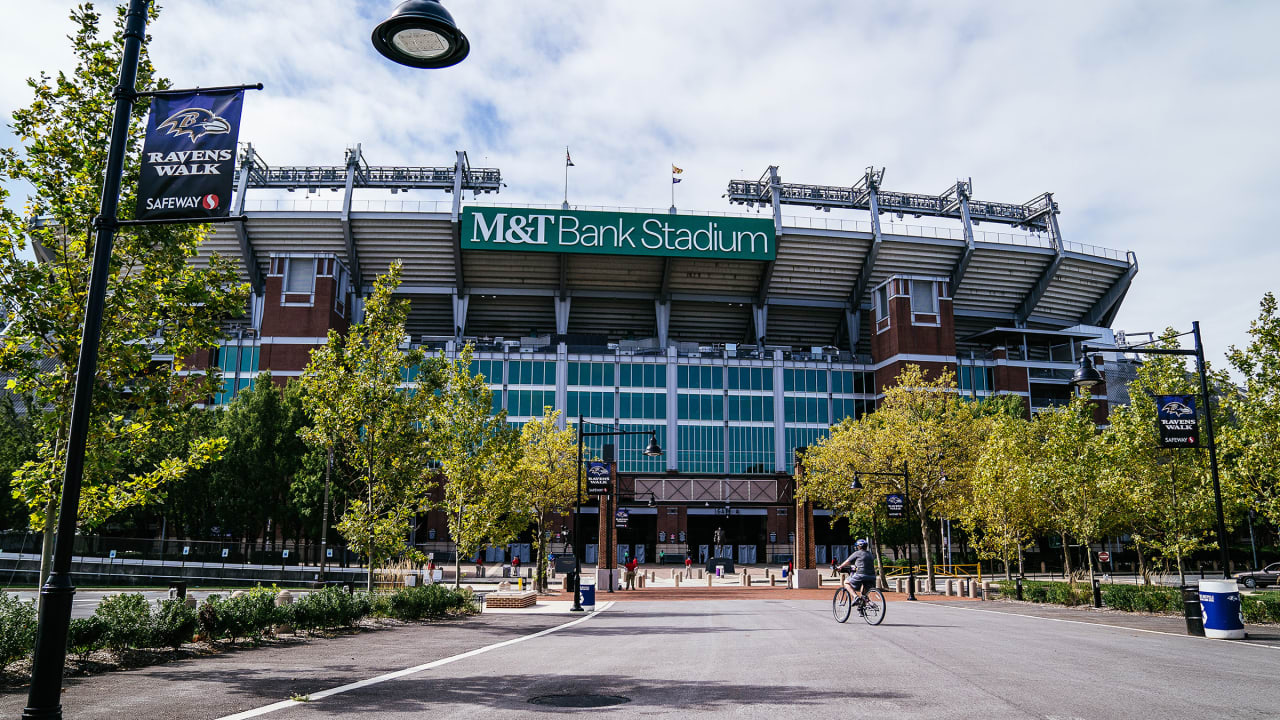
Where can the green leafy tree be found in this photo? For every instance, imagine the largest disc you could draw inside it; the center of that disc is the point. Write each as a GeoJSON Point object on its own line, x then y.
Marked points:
{"type": "Point", "coordinates": [1000, 513]}
{"type": "Point", "coordinates": [477, 453]}
{"type": "Point", "coordinates": [18, 440]}
{"type": "Point", "coordinates": [355, 392]}
{"type": "Point", "coordinates": [546, 478]}
{"type": "Point", "coordinates": [158, 303]}
{"type": "Point", "coordinates": [1252, 441]}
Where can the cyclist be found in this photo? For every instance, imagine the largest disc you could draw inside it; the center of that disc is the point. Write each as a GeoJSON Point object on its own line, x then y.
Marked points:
{"type": "Point", "coordinates": [863, 576]}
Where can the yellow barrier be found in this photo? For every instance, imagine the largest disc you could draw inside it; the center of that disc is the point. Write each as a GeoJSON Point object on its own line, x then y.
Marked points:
{"type": "Point", "coordinates": [942, 571]}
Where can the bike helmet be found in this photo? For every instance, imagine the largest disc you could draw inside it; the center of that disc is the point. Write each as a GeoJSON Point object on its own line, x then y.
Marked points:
{"type": "Point", "coordinates": [861, 543]}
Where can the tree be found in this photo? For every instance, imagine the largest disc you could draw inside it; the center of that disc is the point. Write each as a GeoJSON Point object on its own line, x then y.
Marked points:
{"type": "Point", "coordinates": [1252, 441]}
{"type": "Point", "coordinates": [1000, 512]}
{"type": "Point", "coordinates": [354, 391]}
{"type": "Point", "coordinates": [17, 447]}
{"type": "Point", "coordinates": [923, 422]}
{"type": "Point", "coordinates": [158, 304]}
{"type": "Point", "coordinates": [477, 452]}
{"type": "Point", "coordinates": [1071, 476]}
{"type": "Point", "coordinates": [546, 478]}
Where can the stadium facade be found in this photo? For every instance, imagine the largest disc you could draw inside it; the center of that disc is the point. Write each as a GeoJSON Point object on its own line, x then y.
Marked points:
{"type": "Point", "coordinates": [735, 337]}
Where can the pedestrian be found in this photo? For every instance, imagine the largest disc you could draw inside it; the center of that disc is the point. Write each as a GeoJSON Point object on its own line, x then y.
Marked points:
{"type": "Point", "coordinates": [662, 555]}
{"type": "Point", "coordinates": [631, 573]}
{"type": "Point", "coordinates": [515, 565]}
{"type": "Point", "coordinates": [833, 568]}
{"type": "Point", "coordinates": [688, 563]}
{"type": "Point", "coordinates": [479, 566]}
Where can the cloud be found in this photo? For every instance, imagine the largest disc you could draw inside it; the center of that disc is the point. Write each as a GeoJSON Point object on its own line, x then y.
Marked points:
{"type": "Point", "coordinates": [1153, 125]}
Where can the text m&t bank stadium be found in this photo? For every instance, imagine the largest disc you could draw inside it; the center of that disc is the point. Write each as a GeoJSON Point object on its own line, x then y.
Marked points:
{"type": "Point", "coordinates": [735, 334]}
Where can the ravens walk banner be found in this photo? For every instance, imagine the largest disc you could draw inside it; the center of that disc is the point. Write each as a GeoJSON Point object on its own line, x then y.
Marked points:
{"type": "Point", "coordinates": [1176, 416]}
{"type": "Point", "coordinates": [188, 156]}
{"type": "Point", "coordinates": [598, 478]}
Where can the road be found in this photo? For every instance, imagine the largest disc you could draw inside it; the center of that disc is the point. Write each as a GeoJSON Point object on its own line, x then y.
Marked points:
{"type": "Point", "coordinates": [750, 658]}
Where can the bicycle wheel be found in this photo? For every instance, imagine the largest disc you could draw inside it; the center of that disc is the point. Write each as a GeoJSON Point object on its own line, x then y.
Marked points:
{"type": "Point", "coordinates": [841, 604]}
{"type": "Point", "coordinates": [873, 610]}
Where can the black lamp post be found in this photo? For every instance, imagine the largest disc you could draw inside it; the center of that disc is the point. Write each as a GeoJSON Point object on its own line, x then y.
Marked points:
{"type": "Point", "coordinates": [652, 450]}
{"type": "Point", "coordinates": [406, 33]}
{"type": "Point", "coordinates": [906, 502]}
{"type": "Point", "coordinates": [1086, 376]}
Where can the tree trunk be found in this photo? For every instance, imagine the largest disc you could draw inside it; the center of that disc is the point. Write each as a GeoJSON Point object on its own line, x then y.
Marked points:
{"type": "Point", "coordinates": [1008, 571]}
{"type": "Point", "coordinates": [1066, 557]}
{"type": "Point", "coordinates": [1088, 559]}
{"type": "Point", "coordinates": [541, 548]}
{"type": "Point", "coordinates": [875, 540]}
{"type": "Point", "coordinates": [926, 539]}
{"type": "Point", "coordinates": [1021, 559]}
{"type": "Point", "coordinates": [324, 516]}
{"type": "Point", "coordinates": [46, 546]}
{"type": "Point", "coordinates": [1142, 562]}
{"type": "Point", "coordinates": [457, 557]}
{"type": "Point", "coordinates": [1182, 577]}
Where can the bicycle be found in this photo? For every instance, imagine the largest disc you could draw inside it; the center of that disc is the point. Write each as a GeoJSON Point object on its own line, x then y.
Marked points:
{"type": "Point", "coordinates": [870, 607]}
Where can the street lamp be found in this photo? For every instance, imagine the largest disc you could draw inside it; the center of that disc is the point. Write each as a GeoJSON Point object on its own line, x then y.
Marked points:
{"type": "Point", "coordinates": [906, 502]}
{"type": "Point", "coordinates": [419, 19]}
{"type": "Point", "coordinates": [1085, 377]}
{"type": "Point", "coordinates": [421, 34]}
{"type": "Point", "coordinates": [651, 450]}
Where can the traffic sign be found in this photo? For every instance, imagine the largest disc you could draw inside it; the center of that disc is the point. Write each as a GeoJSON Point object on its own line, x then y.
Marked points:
{"type": "Point", "coordinates": [1104, 556]}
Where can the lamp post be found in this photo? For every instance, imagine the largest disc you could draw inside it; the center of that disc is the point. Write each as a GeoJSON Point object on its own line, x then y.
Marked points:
{"type": "Point", "coordinates": [1086, 376]}
{"type": "Point", "coordinates": [651, 450]}
{"type": "Point", "coordinates": [906, 502]}
{"type": "Point", "coordinates": [407, 35]}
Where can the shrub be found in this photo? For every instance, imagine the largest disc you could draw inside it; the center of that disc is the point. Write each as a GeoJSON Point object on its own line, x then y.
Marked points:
{"type": "Point", "coordinates": [126, 619]}
{"type": "Point", "coordinates": [17, 629]}
{"type": "Point", "coordinates": [423, 601]}
{"type": "Point", "coordinates": [1139, 598]}
{"type": "Point", "coordinates": [328, 608]}
{"type": "Point", "coordinates": [209, 617]}
{"type": "Point", "coordinates": [1261, 607]}
{"type": "Point", "coordinates": [1051, 592]}
{"type": "Point", "coordinates": [85, 635]}
{"type": "Point", "coordinates": [173, 624]}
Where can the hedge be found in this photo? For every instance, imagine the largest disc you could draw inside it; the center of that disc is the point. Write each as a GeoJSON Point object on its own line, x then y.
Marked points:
{"type": "Point", "coordinates": [1140, 598]}
{"type": "Point", "coordinates": [127, 620]}
{"type": "Point", "coordinates": [1060, 593]}
{"type": "Point", "coordinates": [1261, 607]}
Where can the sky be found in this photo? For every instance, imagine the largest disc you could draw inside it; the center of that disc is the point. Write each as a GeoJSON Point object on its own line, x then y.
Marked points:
{"type": "Point", "coordinates": [1152, 122]}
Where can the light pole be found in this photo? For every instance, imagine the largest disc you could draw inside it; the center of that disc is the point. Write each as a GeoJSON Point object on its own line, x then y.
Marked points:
{"type": "Point", "coordinates": [1085, 377]}
{"type": "Point", "coordinates": [652, 450]}
{"type": "Point", "coordinates": [407, 31]}
{"type": "Point", "coordinates": [906, 502]}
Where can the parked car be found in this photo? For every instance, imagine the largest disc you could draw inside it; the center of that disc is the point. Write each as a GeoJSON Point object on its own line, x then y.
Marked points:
{"type": "Point", "coordinates": [1269, 575]}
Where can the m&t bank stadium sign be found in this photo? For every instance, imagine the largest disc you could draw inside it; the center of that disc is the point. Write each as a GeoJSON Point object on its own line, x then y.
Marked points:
{"type": "Point", "coordinates": [611, 233]}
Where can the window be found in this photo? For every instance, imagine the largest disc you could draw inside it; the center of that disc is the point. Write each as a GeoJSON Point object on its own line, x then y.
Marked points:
{"type": "Point", "coordinates": [490, 370]}
{"type": "Point", "coordinates": [631, 457]}
{"type": "Point", "coordinates": [590, 404]}
{"type": "Point", "coordinates": [701, 448]}
{"type": "Point", "coordinates": [300, 275]}
{"type": "Point", "coordinates": [805, 410]}
{"type": "Point", "coordinates": [750, 378]}
{"type": "Point", "coordinates": [804, 380]}
{"type": "Point", "coordinates": [751, 408]}
{"type": "Point", "coordinates": [529, 403]}
{"type": "Point", "coordinates": [649, 375]}
{"type": "Point", "coordinates": [700, 407]}
{"type": "Point", "coordinates": [842, 408]}
{"type": "Point", "coordinates": [532, 372]}
{"type": "Point", "coordinates": [852, 382]}
{"type": "Point", "coordinates": [798, 438]}
{"type": "Point", "coordinates": [699, 377]}
{"type": "Point", "coordinates": [600, 374]}
{"type": "Point", "coordinates": [751, 450]}
{"type": "Point", "coordinates": [882, 302]}
{"type": "Point", "coordinates": [924, 298]}
{"type": "Point", "coordinates": [642, 406]}
{"type": "Point", "coordinates": [975, 378]}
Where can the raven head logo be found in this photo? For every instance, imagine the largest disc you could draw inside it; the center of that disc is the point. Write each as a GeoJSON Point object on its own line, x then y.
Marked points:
{"type": "Point", "coordinates": [195, 123]}
{"type": "Point", "coordinates": [1177, 409]}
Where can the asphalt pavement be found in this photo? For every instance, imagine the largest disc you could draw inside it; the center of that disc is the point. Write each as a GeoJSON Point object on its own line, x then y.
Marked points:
{"type": "Point", "coordinates": [748, 658]}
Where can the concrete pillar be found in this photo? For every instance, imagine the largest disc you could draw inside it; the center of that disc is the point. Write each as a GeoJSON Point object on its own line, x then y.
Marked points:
{"type": "Point", "coordinates": [710, 577]}
{"type": "Point", "coordinates": [973, 589]}
{"type": "Point", "coordinates": [951, 587]}
{"type": "Point", "coordinates": [986, 589]}
{"type": "Point", "coordinates": [677, 579]}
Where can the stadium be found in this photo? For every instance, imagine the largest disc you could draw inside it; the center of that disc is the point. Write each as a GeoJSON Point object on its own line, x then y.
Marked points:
{"type": "Point", "coordinates": [735, 336]}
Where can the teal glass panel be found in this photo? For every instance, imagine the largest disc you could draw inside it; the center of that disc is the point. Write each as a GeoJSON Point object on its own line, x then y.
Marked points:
{"type": "Point", "coordinates": [751, 450]}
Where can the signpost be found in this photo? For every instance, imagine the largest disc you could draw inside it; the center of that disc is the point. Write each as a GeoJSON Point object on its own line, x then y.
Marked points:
{"type": "Point", "coordinates": [1104, 556]}
{"type": "Point", "coordinates": [1178, 422]}
{"type": "Point", "coordinates": [598, 478]}
{"type": "Point", "coordinates": [896, 504]}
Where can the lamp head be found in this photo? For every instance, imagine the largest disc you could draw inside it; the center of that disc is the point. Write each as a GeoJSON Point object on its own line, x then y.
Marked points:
{"type": "Point", "coordinates": [421, 34]}
{"type": "Point", "coordinates": [1085, 376]}
{"type": "Point", "coordinates": [652, 449]}
{"type": "Point", "coordinates": [857, 482]}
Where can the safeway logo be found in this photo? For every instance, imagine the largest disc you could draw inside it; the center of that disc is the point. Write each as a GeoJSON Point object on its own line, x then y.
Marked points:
{"type": "Point", "coordinates": [209, 202]}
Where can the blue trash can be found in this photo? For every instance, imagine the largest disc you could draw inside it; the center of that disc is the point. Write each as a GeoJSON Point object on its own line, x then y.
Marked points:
{"type": "Point", "coordinates": [1220, 604]}
{"type": "Point", "coordinates": [588, 593]}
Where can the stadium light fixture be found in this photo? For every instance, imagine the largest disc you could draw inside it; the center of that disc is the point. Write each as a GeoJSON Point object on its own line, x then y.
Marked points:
{"type": "Point", "coordinates": [1085, 376]}
{"type": "Point", "coordinates": [421, 34]}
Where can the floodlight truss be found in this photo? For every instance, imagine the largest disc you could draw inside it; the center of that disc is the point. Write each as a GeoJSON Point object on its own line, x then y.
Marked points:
{"type": "Point", "coordinates": [386, 177]}
{"type": "Point", "coordinates": [1032, 216]}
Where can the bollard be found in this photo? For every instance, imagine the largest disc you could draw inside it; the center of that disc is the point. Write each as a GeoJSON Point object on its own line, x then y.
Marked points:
{"type": "Point", "coordinates": [951, 587]}
{"type": "Point", "coordinates": [773, 581]}
{"type": "Point", "coordinates": [677, 579]}
{"type": "Point", "coordinates": [897, 585]}
{"type": "Point", "coordinates": [986, 589]}
{"type": "Point", "coordinates": [973, 590]}
{"type": "Point", "coordinates": [699, 573]}
{"type": "Point", "coordinates": [1191, 610]}
{"type": "Point", "coordinates": [1097, 593]}
{"type": "Point", "coordinates": [1019, 590]}
{"type": "Point", "coordinates": [641, 580]}
{"type": "Point", "coordinates": [709, 577]}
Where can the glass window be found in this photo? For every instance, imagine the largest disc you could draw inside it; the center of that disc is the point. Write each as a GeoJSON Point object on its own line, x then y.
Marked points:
{"type": "Point", "coordinates": [299, 275]}
{"type": "Point", "coordinates": [590, 404]}
{"type": "Point", "coordinates": [701, 449]}
{"type": "Point", "coordinates": [630, 448]}
{"type": "Point", "coordinates": [650, 375]}
{"type": "Point", "coordinates": [698, 406]}
{"type": "Point", "coordinates": [842, 408]}
{"type": "Point", "coordinates": [533, 372]}
{"type": "Point", "coordinates": [699, 377]}
{"type": "Point", "coordinates": [805, 410]}
{"type": "Point", "coordinates": [530, 403]}
{"type": "Point", "coordinates": [882, 301]}
{"type": "Point", "coordinates": [490, 370]}
{"type": "Point", "coordinates": [642, 406]}
{"type": "Point", "coordinates": [923, 297]}
{"type": "Point", "coordinates": [751, 450]}
{"type": "Point", "coordinates": [804, 380]}
{"type": "Point", "coordinates": [800, 437]}
{"type": "Point", "coordinates": [750, 408]}
{"type": "Point", "coordinates": [750, 378]}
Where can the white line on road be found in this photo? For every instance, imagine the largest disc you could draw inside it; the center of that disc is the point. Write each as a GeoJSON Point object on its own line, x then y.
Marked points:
{"type": "Point", "coordinates": [1113, 627]}
{"type": "Point", "coordinates": [407, 671]}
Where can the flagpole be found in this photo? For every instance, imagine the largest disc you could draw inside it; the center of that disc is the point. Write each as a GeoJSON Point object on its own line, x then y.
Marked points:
{"type": "Point", "coordinates": [566, 177]}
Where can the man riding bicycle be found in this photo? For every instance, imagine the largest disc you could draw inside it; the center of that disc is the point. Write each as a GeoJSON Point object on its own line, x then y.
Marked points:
{"type": "Point", "coordinates": [863, 576]}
